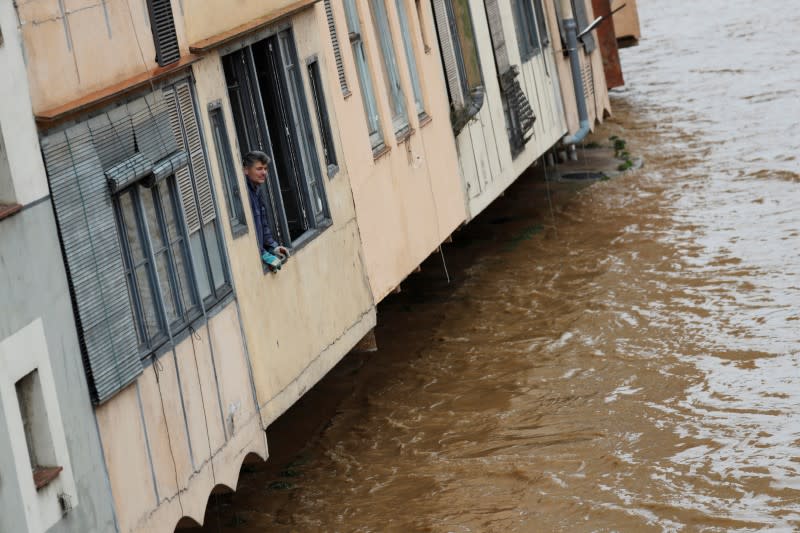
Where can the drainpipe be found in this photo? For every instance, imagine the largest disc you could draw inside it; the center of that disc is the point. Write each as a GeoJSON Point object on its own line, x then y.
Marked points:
{"type": "Point", "coordinates": [571, 29]}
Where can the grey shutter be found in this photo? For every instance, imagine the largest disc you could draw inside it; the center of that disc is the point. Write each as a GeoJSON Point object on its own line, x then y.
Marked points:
{"type": "Point", "coordinates": [520, 113]}
{"type": "Point", "coordinates": [498, 37]}
{"type": "Point", "coordinates": [184, 121]}
{"type": "Point", "coordinates": [541, 22]}
{"type": "Point", "coordinates": [582, 19]}
{"type": "Point", "coordinates": [162, 25]}
{"type": "Point", "coordinates": [447, 47]}
{"type": "Point", "coordinates": [90, 242]}
{"type": "Point", "coordinates": [337, 52]}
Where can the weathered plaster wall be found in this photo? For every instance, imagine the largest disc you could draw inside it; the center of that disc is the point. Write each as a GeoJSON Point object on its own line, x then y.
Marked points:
{"type": "Point", "coordinates": [301, 321]}
{"type": "Point", "coordinates": [182, 428]}
{"type": "Point", "coordinates": [213, 17]}
{"type": "Point", "coordinates": [74, 47]}
{"type": "Point", "coordinates": [410, 199]}
{"type": "Point", "coordinates": [34, 287]}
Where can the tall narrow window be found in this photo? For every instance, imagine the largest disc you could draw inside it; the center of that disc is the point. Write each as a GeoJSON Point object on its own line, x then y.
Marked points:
{"type": "Point", "coordinates": [527, 31]}
{"type": "Point", "coordinates": [408, 45]}
{"type": "Point", "coordinates": [364, 76]}
{"type": "Point", "coordinates": [230, 176]}
{"type": "Point", "coordinates": [391, 73]}
{"type": "Point", "coordinates": [41, 451]}
{"type": "Point", "coordinates": [323, 120]}
{"type": "Point", "coordinates": [462, 66]}
{"type": "Point", "coordinates": [162, 24]}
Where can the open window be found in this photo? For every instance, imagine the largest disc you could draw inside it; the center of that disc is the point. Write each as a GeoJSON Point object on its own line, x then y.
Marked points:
{"type": "Point", "coordinates": [271, 115]}
{"type": "Point", "coordinates": [460, 59]}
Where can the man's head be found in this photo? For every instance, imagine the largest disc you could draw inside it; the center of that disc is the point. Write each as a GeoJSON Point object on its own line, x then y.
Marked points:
{"type": "Point", "coordinates": [256, 166]}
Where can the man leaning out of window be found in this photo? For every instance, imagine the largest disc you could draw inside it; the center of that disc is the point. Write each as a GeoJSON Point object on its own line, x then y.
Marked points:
{"type": "Point", "coordinates": [256, 167]}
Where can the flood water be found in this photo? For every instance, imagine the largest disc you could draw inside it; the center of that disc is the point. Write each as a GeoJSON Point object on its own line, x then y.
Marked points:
{"type": "Point", "coordinates": [627, 361]}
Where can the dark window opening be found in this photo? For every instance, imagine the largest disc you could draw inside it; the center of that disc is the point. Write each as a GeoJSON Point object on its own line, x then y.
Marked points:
{"type": "Point", "coordinates": [527, 30]}
{"type": "Point", "coordinates": [271, 115]}
{"type": "Point", "coordinates": [230, 176]}
{"type": "Point", "coordinates": [323, 120]}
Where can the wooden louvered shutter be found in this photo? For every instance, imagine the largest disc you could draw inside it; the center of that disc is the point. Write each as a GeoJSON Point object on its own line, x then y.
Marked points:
{"type": "Point", "coordinates": [520, 112]}
{"type": "Point", "coordinates": [447, 46]}
{"type": "Point", "coordinates": [87, 227]}
{"type": "Point", "coordinates": [194, 177]}
{"type": "Point", "coordinates": [337, 52]}
{"type": "Point", "coordinates": [582, 20]}
{"type": "Point", "coordinates": [162, 25]}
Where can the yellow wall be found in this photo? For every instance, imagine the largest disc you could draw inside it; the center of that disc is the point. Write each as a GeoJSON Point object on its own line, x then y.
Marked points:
{"type": "Point", "coordinates": [302, 320]}
{"type": "Point", "coordinates": [211, 17]}
{"type": "Point", "coordinates": [184, 427]}
{"type": "Point", "coordinates": [87, 46]}
{"type": "Point", "coordinates": [410, 199]}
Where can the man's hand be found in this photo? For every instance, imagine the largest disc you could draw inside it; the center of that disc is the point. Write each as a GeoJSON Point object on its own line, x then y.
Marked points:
{"type": "Point", "coordinates": [282, 252]}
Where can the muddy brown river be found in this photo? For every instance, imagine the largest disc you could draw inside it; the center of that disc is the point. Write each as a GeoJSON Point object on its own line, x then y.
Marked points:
{"type": "Point", "coordinates": [628, 360]}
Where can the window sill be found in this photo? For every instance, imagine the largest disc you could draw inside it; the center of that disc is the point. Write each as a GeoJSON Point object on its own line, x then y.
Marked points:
{"type": "Point", "coordinates": [404, 135]}
{"type": "Point", "coordinates": [238, 230]}
{"type": "Point", "coordinates": [302, 241]}
{"type": "Point", "coordinates": [8, 210]}
{"type": "Point", "coordinates": [44, 475]}
{"type": "Point", "coordinates": [380, 151]}
{"type": "Point", "coordinates": [424, 119]}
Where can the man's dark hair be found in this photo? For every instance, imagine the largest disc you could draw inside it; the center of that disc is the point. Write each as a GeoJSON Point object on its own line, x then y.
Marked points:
{"type": "Point", "coordinates": [251, 158]}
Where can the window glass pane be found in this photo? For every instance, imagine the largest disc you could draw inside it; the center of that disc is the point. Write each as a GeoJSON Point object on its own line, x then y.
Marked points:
{"type": "Point", "coordinates": [188, 299]}
{"type": "Point", "coordinates": [408, 45]}
{"type": "Point", "coordinates": [140, 336]}
{"type": "Point", "coordinates": [199, 265]}
{"type": "Point", "coordinates": [321, 109]}
{"type": "Point", "coordinates": [150, 315]}
{"type": "Point", "coordinates": [466, 40]}
{"type": "Point", "coordinates": [165, 285]}
{"type": "Point", "coordinates": [225, 161]}
{"type": "Point", "coordinates": [544, 37]}
{"type": "Point", "coordinates": [214, 255]}
{"type": "Point", "coordinates": [167, 200]}
{"type": "Point", "coordinates": [364, 77]}
{"type": "Point", "coordinates": [391, 72]}
{"type": "Point", "coordinates": [154, 228]}
{"type": "Point", "coordinates": [131, 230]}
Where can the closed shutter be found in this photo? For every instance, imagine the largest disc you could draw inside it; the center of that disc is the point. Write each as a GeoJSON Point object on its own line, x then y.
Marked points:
{"type": "Point", "coordinates": [184, 123]}
{"type": "Point", "coordinates": [337, 52]}
{"type": "Point", "coordinates": [447, 48]}
{"type": "Point", "coordinates": [91, 247]}
{"type": "Point", "coordinates": [498, 37]}
{"type": "Point", "coordinates": [582, 19]}
{"type": "Point", "coordinates": [162, 25]}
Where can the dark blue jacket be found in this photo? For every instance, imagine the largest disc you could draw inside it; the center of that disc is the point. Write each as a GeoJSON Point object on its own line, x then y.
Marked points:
{"type": "Point", "coordinates": [263, 232]}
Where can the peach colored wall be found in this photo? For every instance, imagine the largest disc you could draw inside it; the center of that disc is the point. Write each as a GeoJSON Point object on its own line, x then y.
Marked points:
{"type": "Point", "coordinates": [410, 199]}
{"type": "Point", "coordinates": [211, 17]}
{"type": "Point", "coordinates": [626, 21]}
{"type": "Point", "coordinates": [86, 46]}
{"type": "Point", "coordinates": [599, 105]}
{"type": "Point", "coordinates": [302, 320]}
{"type": "Point", "coordinates": [184, 427]}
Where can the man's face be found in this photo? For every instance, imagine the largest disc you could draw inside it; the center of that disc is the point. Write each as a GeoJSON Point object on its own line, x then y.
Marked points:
{"type": "Point", "coordinates": [257, 173]}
